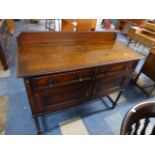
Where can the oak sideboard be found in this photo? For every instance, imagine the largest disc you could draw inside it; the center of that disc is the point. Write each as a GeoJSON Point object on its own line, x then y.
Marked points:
{"type": "Point", "coordinates": [64, 69]}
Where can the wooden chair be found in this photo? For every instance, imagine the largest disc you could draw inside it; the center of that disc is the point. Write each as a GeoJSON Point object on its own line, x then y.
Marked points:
{"type": "Point", "coordinates": [144, 36]}
{"type": "Point", "coordinates": [138, 119]}
{"type": "Point", "coordinates": [148, 69]}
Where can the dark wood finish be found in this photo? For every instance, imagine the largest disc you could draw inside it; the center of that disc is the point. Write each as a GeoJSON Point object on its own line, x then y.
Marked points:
{"type": "Point", "coordinates": [79, 50]}
{"type": "Point", "coordinates": [64, 37]}
{"type": "Point", "coordinates": [36, 121]}
{"type": "Point", "coordinates": [149, 70]}
{"type": "Point", "coordinates": [133, 124]}
{"type": "Point", "coordinates": [61, 70]}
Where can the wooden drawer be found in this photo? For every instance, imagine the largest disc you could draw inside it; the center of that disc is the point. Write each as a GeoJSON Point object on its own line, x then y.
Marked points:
{"type": "Point", "coordinates": [117, 68]}
{"type": "Point", "coordinates": [41, 82]}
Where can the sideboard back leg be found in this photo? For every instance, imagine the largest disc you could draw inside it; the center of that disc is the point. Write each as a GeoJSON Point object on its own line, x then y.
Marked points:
{"type": "Point", "coordinates": [118, 97]}
{"type": "Point", "coordinates": [116, 100]}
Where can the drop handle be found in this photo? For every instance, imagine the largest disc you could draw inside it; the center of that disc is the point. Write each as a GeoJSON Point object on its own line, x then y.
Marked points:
{"type": "Point", "coordinates": [80, 79]}
{"type": "Point", "coordinates": [50, 83]}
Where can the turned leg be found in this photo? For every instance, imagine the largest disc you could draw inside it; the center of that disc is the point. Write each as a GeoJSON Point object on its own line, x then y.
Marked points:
{"type": "Point", "coordinates": [37, 125]}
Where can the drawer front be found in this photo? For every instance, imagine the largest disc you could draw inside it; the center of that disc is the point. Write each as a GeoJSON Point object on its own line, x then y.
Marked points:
{"type": "Point", "coordinates": [42, 82]}
{"type": "Point", "coordinates": [61, 97]}
{"type": "Point", "coordinates": [115, 68]}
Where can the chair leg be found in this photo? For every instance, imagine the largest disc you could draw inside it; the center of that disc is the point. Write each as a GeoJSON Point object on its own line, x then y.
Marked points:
{"type": "Point", "coordinates": [135, 80]}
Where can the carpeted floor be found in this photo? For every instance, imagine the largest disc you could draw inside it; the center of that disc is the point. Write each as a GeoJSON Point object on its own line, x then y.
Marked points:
{"type": "Point", "coordinates": [93, 118]}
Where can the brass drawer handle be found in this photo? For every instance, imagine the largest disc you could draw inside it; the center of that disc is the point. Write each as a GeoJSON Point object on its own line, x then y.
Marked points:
{"type": "Point", "coordinates": [80, 79]}
{"type": "Point", "coordinates": [50, 83]}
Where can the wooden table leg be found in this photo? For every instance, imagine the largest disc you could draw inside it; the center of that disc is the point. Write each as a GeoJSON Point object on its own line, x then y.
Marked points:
{"type": "Point", "coordinates": [37, 125]}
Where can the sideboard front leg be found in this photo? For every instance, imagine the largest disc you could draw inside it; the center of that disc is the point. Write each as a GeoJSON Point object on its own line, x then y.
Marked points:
{"type": "Point", "coordinates": [37, 125]}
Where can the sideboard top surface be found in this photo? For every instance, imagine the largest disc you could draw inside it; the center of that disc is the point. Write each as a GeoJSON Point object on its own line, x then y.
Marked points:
{"type": "Point", "coordinates": [39, 58]}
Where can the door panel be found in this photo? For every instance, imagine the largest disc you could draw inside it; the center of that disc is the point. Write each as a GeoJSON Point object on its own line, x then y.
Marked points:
{"type": "Point", "coordinates": [64, 96]}
{"type": "Point", "coordinates": [105, 86]}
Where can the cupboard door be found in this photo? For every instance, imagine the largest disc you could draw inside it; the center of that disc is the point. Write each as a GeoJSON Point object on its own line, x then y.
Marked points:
{"type": "Point", "coordinates": [106, 85]}
{"type": "Point", "coordinates": [60, 97]}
